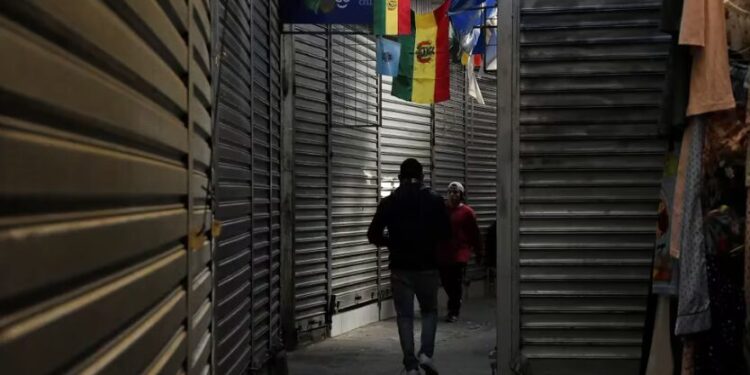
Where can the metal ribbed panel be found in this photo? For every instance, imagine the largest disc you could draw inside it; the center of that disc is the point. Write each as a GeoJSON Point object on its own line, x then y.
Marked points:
{"type": "Point", "coordinates": [95, 163]}
{"type": "Point", "coordinates": [248, 173]}
{"type": "Point", "coordinates": [234, 157]}
{"type": "Point", "coordinates": [481, 153]}
{"type": "Point", "coordinates": [311, 189]}
{"type": "Point", "coordinates": [200, 285]}
{"type": "Point", "coordinates": [265, 180]}
{"type": "Point", "coordinates": [406, 132]}
{"type": "Point", "coordinates": [354, 162]}
{"type": "Point", "coordinates": [481, 160]}
{"type": "Point", "coordinates": [449, 150]}
{"type": "Point", "coordinates": [590, 165]}
{"type": "Point", "coordinates": [274, 43]}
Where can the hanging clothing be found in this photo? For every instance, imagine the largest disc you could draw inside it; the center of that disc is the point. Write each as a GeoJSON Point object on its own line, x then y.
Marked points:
{"type": "Point", "coordinates": [738, 26]}
{"type": "Point", "coordinates": [677, 80]}
{"type": "Point", "coordinates": [694, 314]}
{"type": "Point", "coordinates": [703, 27]}
{"type": "Point", "coordinates": [720, 350]}
{"type": "Point", "coordinates": [688, 356]}
{"type": "Point", "coordinates": [747, 276]}
{"type": "Point", "coordinates": [664, 273]}
{"type": "Point", "coordinates": [661, 356]}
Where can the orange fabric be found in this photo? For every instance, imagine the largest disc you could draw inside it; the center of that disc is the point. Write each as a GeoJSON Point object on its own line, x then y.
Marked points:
{"type": "Point", "coordinates": [704, 28]}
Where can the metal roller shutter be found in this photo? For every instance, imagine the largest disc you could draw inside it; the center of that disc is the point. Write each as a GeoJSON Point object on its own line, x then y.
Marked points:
{"type": "Point", "coordinates": [274, 70]}
{"type": "Point", "coordinates": [406, 132]}
{"type": "Point", "coordinates": [201, 282]}
{"type": "Point", "coordinates": [354, 189]}
{"type": "Point", "coordinates": [104, 141]}
{"type": "Point", "coordinates": [311, 182]}
{"type": "Point", "coordinates": [481, 156]}
{"type": "Point", "coordinates": [265, 180]}
{"type": "Point", "coordinates": [248, 183]}
{"type": "Point", "coordinates": [234, 146]}
{"type": "Point", "coordinates": [590, 165]}
{"type": "Point", "coordinates": [449, 150]}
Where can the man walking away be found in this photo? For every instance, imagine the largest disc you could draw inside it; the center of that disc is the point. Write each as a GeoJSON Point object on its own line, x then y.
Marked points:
{"type": "Point", "coordinates": [417, 222]}
{"type": "Point", "coordinates": [456, 254]}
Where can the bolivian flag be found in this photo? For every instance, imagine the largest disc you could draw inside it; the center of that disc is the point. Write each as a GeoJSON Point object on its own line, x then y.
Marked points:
{"type": "Point", "coordinates": [424, 70]}
{"type": "Point", "coordinates": [392, 17]}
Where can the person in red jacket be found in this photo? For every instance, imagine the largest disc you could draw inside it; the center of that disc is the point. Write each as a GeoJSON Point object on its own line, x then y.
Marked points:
{"type": "Point", "coordinates": [454, 256]}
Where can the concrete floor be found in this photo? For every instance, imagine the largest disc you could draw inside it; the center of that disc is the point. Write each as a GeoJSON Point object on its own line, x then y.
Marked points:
{"type": "Point", "coordinates": [461, 348]}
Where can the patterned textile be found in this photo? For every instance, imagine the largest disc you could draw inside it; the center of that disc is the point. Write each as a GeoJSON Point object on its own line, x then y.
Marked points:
{"type": "Point", "coordinates": [693, 311]}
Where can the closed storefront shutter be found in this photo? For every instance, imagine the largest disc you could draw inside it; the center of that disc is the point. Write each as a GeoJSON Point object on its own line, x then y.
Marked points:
{"type": "Point", "coordinates": [354, 162]}
{"type": "Point", "coordinates": [481, 155]}
{"type": "Point", "coordinates": [311, 182]}
{"type": "Point", "coordinates": [247, 165]}
{"type": "Point", "coordinates": [265, 179]}
{"type": "Point", "coordinates": [234, 190]}
{"type": "Point", "coordinates": [406, 132]}
{"type": "Point", "coordinates": [590, 166]}
{"type": "Point", "coordinates": [104, 153]}
{"type": "Point", "coordinates": [449, 150]}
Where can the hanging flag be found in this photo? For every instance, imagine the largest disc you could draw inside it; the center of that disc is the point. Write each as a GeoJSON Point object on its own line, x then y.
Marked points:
{"type": "Point", "coordinates": [424, 70]}
{"type": "Point", "coordinates": [465, 21]}
{"type": "Point", "coordinates": [388, 54]}
{"type": "Point", "coordinates": [464, 5]}
{"type": "Point", "coordinates": [471, 81]}
{"type": "Point", "coordinates": [481, 46]}
{"type": "Point", "coordinates": [490, 56]}
{"type": "Point", "coordinates": [327, 12]}
{"type": "Point", "coordinates": [392, 17]}
{"type": "Point", "coordinates": [476, 58]}
{"type": "Point", "coordinates": [469, 41]}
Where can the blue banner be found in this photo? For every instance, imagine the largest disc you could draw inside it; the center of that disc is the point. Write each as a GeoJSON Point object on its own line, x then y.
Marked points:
{"type": "Point", "coordinates": [348, 12]}
{"type": "Point", "coordinates": [463, 5]}
{"type": "Point", "coordinates": [389, 55]}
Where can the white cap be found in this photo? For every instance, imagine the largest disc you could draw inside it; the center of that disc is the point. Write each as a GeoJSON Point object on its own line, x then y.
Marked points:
{"type": "Point", "coordinates": [456, 185]}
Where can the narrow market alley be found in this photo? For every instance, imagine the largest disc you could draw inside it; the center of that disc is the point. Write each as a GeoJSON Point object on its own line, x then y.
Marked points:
{"type": "Point", "coordinates": [462, 347]}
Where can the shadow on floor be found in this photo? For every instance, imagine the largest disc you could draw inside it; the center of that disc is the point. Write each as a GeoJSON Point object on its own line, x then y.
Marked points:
{"type": "Point", "coordinates": [461, 348]}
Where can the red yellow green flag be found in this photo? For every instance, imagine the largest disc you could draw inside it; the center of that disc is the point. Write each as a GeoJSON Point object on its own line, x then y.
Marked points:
{"type": "Point", "coordinates": [424, 70]}
{"type": "Point", "coordinates": [392, 17]}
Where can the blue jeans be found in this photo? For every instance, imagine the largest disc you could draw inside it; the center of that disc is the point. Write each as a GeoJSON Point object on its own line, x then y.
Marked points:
{"type": "Point", "coordinates": [405, 285]}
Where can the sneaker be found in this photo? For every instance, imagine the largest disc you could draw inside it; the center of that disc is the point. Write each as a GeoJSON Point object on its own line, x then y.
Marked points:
{"type": "Point", "coordinates": [412, 372]}
{"type": "Point", "coordinates": [451, 318]}
{"type": "Point", "coordinates": [427, 365]}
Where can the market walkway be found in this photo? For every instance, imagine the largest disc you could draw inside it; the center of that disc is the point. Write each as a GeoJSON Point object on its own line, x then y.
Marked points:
{"type": "Point", "coordinates": [462, 348]}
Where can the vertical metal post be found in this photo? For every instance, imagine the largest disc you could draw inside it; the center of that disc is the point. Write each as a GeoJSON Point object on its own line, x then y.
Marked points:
{"type": "Point", "coordinates": [287, 193]}
{"type": "Point", "coordinates": [329, 174]}
{"type": "Point", "coordinates": [190, 198]}
{"type": "Point", "coordinates": [253, 363]}
{"type": "Point", "coordinates": [379, 181]}
{"type": "Point", "coordinates": [271, 338]}
{"type": "Point", "coordinates": [507, 181]}
{"type": "Point", "coordinates": [215, 78]}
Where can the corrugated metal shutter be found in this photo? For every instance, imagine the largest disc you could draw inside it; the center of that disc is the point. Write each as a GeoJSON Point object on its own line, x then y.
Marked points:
{"type": "Point", "coordinates": [265, 120]}
{"type": "Point", "coordinates": [354, 168]}
{"type": "Point", "coordinates": [591, 76]}
{"type": "Point", "coordinates": [248, 183]}
{"type": "Point", "coordinates": [234, 190]}
{"type": "Point", "coordinates": [274, 70]}
{"type": "Point", "coordinates": [104, 145]}
{"type": "Point", "coordinates": [311, 182]}
{"type": "Point", "coordinates": [481, 155]}
{"type": "Point", "coordinates": [201, 282]}
{"type": "Point", "coordinates": [449, 150]}
{"type": "Point", "coordinates": [406, 132]}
